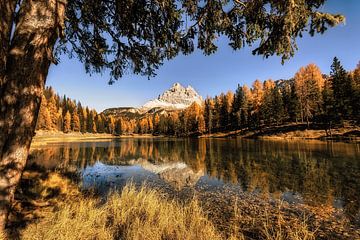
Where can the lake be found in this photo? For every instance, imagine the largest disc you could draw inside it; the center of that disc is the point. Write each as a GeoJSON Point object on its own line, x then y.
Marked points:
{"type": "Point", "coordinates": [306, 172]}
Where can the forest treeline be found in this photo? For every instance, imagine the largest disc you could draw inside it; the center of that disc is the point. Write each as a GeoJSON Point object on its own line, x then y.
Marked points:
{"type": "Point", "coordinates": [309, 97]}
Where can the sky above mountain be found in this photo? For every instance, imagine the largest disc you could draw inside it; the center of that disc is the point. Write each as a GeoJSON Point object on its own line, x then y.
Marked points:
{"type": "Point", "coordinates": [210, 75]}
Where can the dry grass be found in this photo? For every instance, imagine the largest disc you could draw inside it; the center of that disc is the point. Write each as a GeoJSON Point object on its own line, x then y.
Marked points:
{"type": "Point", "coordinates": [131, 214]}
{"type": "Point", "coordinates": [147, 214]}
{"type": "Point", "coordinates": [142, 213]}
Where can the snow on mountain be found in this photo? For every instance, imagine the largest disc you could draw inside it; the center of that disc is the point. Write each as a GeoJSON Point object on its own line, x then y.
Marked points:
{"type": "Point", "coordinates": [176, 98]}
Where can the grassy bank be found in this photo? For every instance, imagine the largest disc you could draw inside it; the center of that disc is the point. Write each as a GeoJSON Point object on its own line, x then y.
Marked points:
{"type": "Point", "coordinates": [295, 131]}
{"type": "Point", "coordinates": [44, 137]}
{"type": "Point", "coordinates": [50, 206]}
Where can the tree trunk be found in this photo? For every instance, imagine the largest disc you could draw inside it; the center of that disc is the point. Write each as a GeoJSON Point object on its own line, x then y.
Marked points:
{"type": "Point", "coordinates": [7, 11]}
{"type": "Point", "coordinates": [27, 67]}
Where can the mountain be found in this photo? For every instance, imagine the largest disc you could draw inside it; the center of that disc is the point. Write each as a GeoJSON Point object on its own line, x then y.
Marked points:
{"type": "Point", "coordinates": [177, 97]}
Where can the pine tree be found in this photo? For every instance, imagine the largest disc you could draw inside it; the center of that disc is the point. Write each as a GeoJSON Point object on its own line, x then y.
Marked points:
{"type": "Point", "coordinates": [208, 114]}
{"type": "Point", "coordinates": [236, 108]}
{"type": "Point", "coordinates": [44, 119]}
{"type": "Point", "coordinates": [342, 89]}
{"type": "Point", "coordinates": [201, 123]}
{"type": "Point", "coordinates": [53, 110]}
{"type": "Point", "coordinates": [356, 93]}
{"type": "Point", "coordinates": [150, 125]}
{"type": "Point", "coordinates": [329, 115]}
{"type": "Point", "coordinates": [100, 125]}
{"type": "Point", "coordinates": [67, 122]}
{"type": "Point", "coordinates": [223, 113]}
{"type": "Point", "coordinates": [156, 120]}
{"type": "Point", "coordinates": [84, 120]}
{"type": "Point", "coordinates": [267, 103]}
{"type": "Point", "coordinates": [277, 105]}
{"type": "Point", "coordinates": [216, 114]}
{"type": "Point", "coordinates": [118, 127]}
{"type": "Point", "coordinates": [246, 107]}
{"type": "Point", "coordinates": [111, 124]}
{"type": "Point", "coordinates": [75, 122]}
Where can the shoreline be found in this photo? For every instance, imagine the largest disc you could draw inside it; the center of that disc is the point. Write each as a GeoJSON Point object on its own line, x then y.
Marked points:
{"type": "Point", "coordinates": [277, 133]}
{"type": "Point", "coordinates": [293, 132]}
{"type": "Point", "coordinates": [45, 137]}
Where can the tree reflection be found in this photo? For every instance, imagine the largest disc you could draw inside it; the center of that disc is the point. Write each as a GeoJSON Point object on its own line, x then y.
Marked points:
{"type": "Point", "coordinates": [320, 172]}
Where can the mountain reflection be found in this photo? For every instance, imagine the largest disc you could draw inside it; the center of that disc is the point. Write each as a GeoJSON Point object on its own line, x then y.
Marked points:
{"type": "Point", "coordinates": [317, 173]}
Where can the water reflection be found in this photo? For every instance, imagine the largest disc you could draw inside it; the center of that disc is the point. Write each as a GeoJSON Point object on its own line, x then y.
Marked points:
{"type": "Point", "coordinates": [314, 173]}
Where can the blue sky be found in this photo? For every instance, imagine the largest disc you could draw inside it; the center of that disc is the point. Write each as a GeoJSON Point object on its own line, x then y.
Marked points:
{"type": "Point", "coordinates": [211, 75]}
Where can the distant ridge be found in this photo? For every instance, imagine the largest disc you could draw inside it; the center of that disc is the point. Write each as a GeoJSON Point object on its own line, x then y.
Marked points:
{"type": "Point", "coordinates": [177, 97]}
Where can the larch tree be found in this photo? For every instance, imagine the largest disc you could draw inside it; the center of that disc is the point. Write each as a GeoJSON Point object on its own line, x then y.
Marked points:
{"type": "Point", "coordinates": [75, 122]}
{"type": "Point", "coordinates": [84, 120]}
{"type": "Point", "coordinates": [309, 83]}
{"type": "Point", "coordinates": [67, 122]}
{"type": "Point", "coordinates": [111, 124]}
{"type": "Point", "coordinates": [257, 92]}
{"type": "Point", "coordinates": [44, 119]}
{"type": "Point", "coordinates": [216, 114]}
{"type": "Point", "coordinates": [53, 112]}
{"type": "Point", "coordinates": [121, 36]}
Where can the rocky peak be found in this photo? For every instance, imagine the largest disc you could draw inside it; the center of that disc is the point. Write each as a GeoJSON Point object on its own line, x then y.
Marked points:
{"type": "Point", "coordinates": [177, 97]}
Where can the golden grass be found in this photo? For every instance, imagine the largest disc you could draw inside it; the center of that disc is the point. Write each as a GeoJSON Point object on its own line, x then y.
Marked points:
{"type": "Point", "coordinates": [131, 214]}
{"type": "Point", "coordinates": [147, 214]}
{"type": "Point", "coordinates": [144, 213]}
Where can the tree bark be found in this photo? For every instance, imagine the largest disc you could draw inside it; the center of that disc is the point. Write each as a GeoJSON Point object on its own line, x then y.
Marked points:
{"type": "Point", "coordinates": [28, 61]}
{"type": "Point", "coordinates": [7, 12]}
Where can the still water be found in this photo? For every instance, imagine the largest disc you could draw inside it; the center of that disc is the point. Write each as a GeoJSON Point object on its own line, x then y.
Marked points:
{"type": "Point", "coordinates": [309, 172]}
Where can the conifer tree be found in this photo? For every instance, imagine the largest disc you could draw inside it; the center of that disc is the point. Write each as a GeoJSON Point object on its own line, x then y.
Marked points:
{"type": "Point", "coordinates": [111, 124]}
{"type": "Point", "coordinates": [267, 111]}
{"type": "Point", "coordinates": [84, 120]}
{"type": "Point", "coordinates": [53, 112]}
{"type": "Point", "coordinates": [60, 119]}
{"type": "Point", "coordinates": [308, 86]}
{"type": "Point", "coordinates": [150, 125]}
{"type": "Point", "coordinates": [118, 126]}
{"type": "Point", "coordinates": [329, 115]}
{"type": "Point", "coordinates": [277, 105]}
{"type": "Point", "coordinates": [236, 108]}
{"type": "Point", "coordinates": [67, 122]}
{"type": "Point", "coordinates": [246, 106]}
{"type": "Point", "coordinates": [342, 89]}
{"type": "Point", "coordinates": [257, 93]}
{"type": "Point", "coordinates": [208, 114]}
{"type": "Point", "coordinates": [44, 119]}
{"type": "Point", "coordinates": [216, 114]}
{"type": "Point", "coordinates": [156, 120]}
{"type": "Point", "coordinates": [356, 93]}
{"type": "Point", "coordinates": [100, 125]}
{"type": "Point", "coordinates": [294, 104]}
{"type": "Point", "coordinates": [75, 122]}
